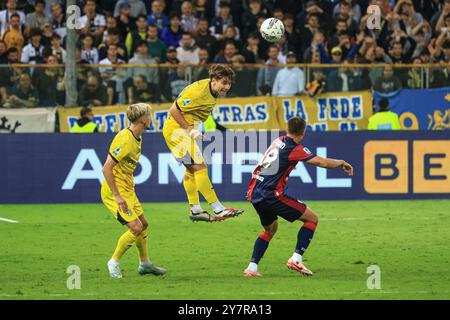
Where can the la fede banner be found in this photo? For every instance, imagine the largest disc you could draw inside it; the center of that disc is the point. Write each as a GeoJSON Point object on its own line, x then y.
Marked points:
{"type": "Point", "coordinates": [420, 109]}
{"type": "Point", "coordinates": [27, 120]}
{"type": "Point", "coordinates": [332, 111]}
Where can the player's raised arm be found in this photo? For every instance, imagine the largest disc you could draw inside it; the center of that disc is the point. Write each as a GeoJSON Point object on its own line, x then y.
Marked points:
{"type": "Point", "coordinates": [109, 177]}
{"type": "Point", "coordinates": [330, 163]}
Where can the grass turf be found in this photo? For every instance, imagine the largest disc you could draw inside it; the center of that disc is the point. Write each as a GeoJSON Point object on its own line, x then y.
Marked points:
{"type": "Point", "coordinates": [408, 240]}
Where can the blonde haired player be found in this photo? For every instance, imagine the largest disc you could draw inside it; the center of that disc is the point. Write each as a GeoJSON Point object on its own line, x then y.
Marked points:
{"type": "Point", "coordinates": [118, 193]}
{"type": "Point", "coordinates": [192, 107]}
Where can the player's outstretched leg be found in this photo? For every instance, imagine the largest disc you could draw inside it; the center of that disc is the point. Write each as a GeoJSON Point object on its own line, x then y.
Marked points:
{"type": "Point", "coordinates": [206, 188]}
{"type": "Point", "coordinates": [304, 237]}
{"type": "Point", "coordinates": [125, 242]}
{"type": "Point", "coordinates": [260, 247]}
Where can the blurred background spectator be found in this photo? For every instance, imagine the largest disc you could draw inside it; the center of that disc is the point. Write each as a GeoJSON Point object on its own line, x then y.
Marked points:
{"type": "Point", "coordinates": [84, 124]}
{"type": "Point", "coordinates": [93, 93]}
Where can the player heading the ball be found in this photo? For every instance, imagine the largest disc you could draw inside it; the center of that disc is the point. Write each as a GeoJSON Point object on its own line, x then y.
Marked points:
{"type": "Point", "coordinates": [181, 130]}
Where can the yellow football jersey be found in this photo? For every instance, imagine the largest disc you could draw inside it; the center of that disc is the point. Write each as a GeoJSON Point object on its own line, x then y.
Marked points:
{"type": "Point", "coordinates": [125, 150]}
{"type": "Point", "coordinates": [195, 102]}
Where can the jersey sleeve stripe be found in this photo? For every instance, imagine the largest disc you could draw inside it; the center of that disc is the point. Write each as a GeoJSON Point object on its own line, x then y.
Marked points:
{"type": "Point", "coordinates": [309, 158]}
{"type": "Point", "coordinates": [111, 155]}
{"type": "Point", "coordinates": [178, 107]}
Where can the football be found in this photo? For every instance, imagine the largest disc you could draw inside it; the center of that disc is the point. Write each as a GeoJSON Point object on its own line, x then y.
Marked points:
{"type": "Point", "coordinates": [272, 30]}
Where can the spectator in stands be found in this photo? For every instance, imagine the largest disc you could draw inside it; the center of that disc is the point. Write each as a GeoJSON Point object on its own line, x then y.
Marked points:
{"type": "Point", "coordinates": [312, 26]}
{"type": "Point", "coordinates": [345, 14]}
{"type": "Point", "coordinates": [13, 36]}
{"type": "Point", "coordinates": [397, 53]}
{"type": "Point", "coordinates": [23, 94]}
{"type": "Point", "coordinates": [188, 51]}
{"type": "Point", "coordinates": [113, 77]}
{"type": "Point", "coordinates": [45, 81]}
{"type": "Point", "coordinates": [93, 93]}
{"type": "Point", "coordinates": [36, 19]}
{"type": "Point", "coordinates": [440, 76]}
{"type": "Point", "coordinates": [11, 74]}
{"type": "Point", "coordinates": [336, 55]}
{"type": "Point", "coordinates": [219, 23]}
{"type": "Point", "coordinates": [142, 91]}
{"type": "Point", "coordinates": [172, 34]}
{"type": "Point", "coordinates": [113, 39]}
{"type": "Point", "coordinates": [139, 33]}
{"type": "Point", "coordinates": [312, 53]}
{"type": "Point", "coordinates": [408, 15]}
{"type": "Point", "coordinates": [414, 76]}
{"type": "Point", "coordinates": [84, 124]}
{"type": "Point", "coordinates": [46, 35]}
{"type": "Point", "coordinates": [111, 23]}
{"type": "Point", "coordinates": [201, 9]}
{"type": "Point", "coordinates": [250, 17]}
{"type": "Point", "coordinates": [342, 79]}
{"type": "Point", "coordinates": [229, 51]}
{"type": "Point", "coordinates": [188, 21]}
{"type": "Point", "coordinates": [170, 73]}
{"type": "Point", "coordinates": [292, 35]}
{"type": "Point", "coordinates": [125, 22]}
{"type": "Point", "coordinates": [266, 75]}
{"type": "Point", "coordinates": [231, 34]}
{"type": "Point", "coordinates": [245, 81]}
{"type": "Point", "coordinates": [201, 71]}
{"type": "Point", "coordinates": [33, 52]}
{"type": "Point", "coordinates": [92, 22]}
{"type": "Point", "coordinates": [177, 83]}
{"type": "Point", "coordinates": [88, 51]}
{"type": "Point", "coordinates": [388, 82]}
{"type": "Point", "coordinates": [290, 81]}
{"type": "Point", "coordinates": [141, 56]}
{"type": "Point", "coordinates": [137, 7]}
{"type": "Point", "coordinates": [58, 51]}
{"type": "Point", "coordinates": [277, 13]}
{"type": "Point", "coordinates": [5, 16]}
{"type": "Point", "coordinates": [203, 37]}
{"type": "Point", "coordinates": [82, 73]}
{"type": "Point", "coordinates": [253, 51]}
{"type": "Point", "coordinates": [58, 20]}
{"type": "Point", "coordinates": [384, 119]}
{"type": "Point", "coordinates": [156, 48]}
{"type": "Point", "coordinates": [157, 17]}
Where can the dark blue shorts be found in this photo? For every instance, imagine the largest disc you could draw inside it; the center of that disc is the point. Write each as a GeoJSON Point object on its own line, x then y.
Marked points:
{"type": "Point", "coordinates": [286, 207]}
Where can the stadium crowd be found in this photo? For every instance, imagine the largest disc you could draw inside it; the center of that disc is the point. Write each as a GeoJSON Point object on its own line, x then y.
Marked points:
{"type": "Point", "coordinates": [174, 34]}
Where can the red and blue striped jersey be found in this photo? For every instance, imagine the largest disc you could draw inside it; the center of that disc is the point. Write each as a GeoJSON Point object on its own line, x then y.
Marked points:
{"type": "Point", "coordinates": [271, 175]}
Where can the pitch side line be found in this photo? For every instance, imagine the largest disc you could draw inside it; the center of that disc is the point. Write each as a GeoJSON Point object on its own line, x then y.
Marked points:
{"type": "Point", "coordinates": [8, 220]}
{"type": "Point", "coordinates": [132, 294]}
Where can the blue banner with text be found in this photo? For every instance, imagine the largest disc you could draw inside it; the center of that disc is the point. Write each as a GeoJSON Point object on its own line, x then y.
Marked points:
{"type": "Point", "coordinates": [66, 168]}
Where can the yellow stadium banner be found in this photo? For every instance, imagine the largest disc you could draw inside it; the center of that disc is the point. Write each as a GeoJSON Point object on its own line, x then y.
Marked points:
{"type": "Point", "coordinates": [327, 112]}
{"type": "Point", "coordinates": [258, 113]}
{"type": "Point", "coordinates": [111, 118]}
{"type": "Point", "coordinates": [336, 111]}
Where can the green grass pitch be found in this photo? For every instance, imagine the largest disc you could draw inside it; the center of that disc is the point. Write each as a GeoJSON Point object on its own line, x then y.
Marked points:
{"type": "Point", "coordinates": [408, 240]}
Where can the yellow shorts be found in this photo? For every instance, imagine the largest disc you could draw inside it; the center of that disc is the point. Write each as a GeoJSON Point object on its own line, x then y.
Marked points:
{"type": "Point", "coordinates": [134, 206]}
{"type": "Point", "coordinates": [183, 147]}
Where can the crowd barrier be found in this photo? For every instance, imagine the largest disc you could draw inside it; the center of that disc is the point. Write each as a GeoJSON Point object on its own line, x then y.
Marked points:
{"type": "Point", "coordinates": [65, 168]}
